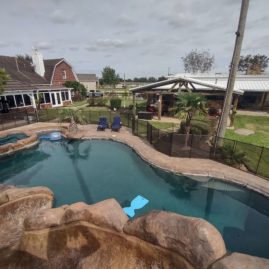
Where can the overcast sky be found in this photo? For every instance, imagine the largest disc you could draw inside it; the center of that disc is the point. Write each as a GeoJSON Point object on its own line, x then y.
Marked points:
{"type": "Point", "coordinates": [136, 37]}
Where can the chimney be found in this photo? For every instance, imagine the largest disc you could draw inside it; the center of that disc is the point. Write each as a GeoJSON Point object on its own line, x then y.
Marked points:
{"type": "Point", "coordinates": [38, 62]}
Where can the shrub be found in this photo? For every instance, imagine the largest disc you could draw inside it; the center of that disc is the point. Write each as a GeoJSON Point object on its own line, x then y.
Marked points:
{"type": "Point", "coordinates": [197, 127]}
{"type": "Point", "coordinates": [231, 157]}
{"type": "Point", "coordinates": [115, 103]}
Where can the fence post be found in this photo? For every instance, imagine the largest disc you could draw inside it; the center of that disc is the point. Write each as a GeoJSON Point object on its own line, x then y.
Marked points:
{"type": "Point", "coordinates": [171, 143]}
{"type": "Point", "coordinates": [27, 116]}
{"type": "Point", "coordinates": [191, 136]}
{"type": "Point", "coordinates": [258, 165]}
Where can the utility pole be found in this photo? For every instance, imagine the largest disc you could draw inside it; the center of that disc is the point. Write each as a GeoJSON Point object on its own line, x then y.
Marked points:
{"type": "Point", "coordinates": [234, 67]}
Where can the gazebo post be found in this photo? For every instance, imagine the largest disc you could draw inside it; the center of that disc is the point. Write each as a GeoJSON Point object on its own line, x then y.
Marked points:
{"type": "Point", "coordinates": [160, 106]}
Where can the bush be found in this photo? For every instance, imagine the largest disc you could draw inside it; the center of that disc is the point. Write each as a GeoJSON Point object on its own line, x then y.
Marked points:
{"type": "Point", "coordinates": [93, 101]}
{"type": "Point", "coordinates": [231, 157]}
{"type": "Point", "coordinates": [197, 127]}
{"type": "Point", "coordinates": [115, 103]}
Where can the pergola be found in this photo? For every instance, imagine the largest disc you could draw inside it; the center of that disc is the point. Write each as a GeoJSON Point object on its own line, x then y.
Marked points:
{"type": "Point", "coordinates": [178, 84]}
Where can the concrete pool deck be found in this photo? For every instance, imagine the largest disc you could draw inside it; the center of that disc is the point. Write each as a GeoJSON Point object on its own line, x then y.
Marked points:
{"type": "Point", "coordinates": [195, 168]}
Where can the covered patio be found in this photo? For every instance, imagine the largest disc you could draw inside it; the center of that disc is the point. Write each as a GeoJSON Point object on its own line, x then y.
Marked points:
{"type": "Point", "coordinates": [163, 89]}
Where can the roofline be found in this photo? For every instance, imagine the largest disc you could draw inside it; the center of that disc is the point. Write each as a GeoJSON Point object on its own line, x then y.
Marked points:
{"type": "Point", "coordinates": [180, 79]}
{"type": "Point", "coordinates": [63, 60]}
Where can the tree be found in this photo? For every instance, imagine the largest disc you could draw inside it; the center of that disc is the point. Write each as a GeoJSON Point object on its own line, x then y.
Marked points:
{"type": "Point", "coordinates": [152, 79]}
{"type": "Point", "coordinates": [109, 76]}
{"type": "Point", "coordinates": [162, 78]}
{"type": "Point", "coordinates": [4, 77]}
{"type": "Point", "coordinates": [198, 61]}
{"type": "Point", "coordinates": [187, 105]}
{"type": "Point", "coordinates": [253, 64]}
{"type": "Point", "coordinates": [77, 87]}
{"type": "Point", "coordinates": [25, 57]}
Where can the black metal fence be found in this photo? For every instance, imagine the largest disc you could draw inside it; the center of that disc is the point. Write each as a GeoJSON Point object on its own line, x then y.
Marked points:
{"type": "Point", "coordinates": [16, 118]}
{"type": "Point", "coordinates": [247, 157]}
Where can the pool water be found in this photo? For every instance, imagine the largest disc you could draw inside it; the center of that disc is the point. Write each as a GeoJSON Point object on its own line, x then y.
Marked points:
{"type": "Point", "coordinates": [95, 170]}
{"type": "Point", "coordinates": [12, 138]}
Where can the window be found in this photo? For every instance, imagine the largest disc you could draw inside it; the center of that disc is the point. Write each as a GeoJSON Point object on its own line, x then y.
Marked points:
{"type": "Point", "coordinates": [63, 96]}
{"type": "Point", "coordinates": [66, 96]}
{"type": "Point", "coordinates": [64, 74]}
{"type": "Point", "coordinates": [27, 100]}
{"type": "Point", "coordinates": [47, 97]}
{"type": "Point", "coordinates": [19, 100]}
{"type": "Point", "coordinates": [41, 98]}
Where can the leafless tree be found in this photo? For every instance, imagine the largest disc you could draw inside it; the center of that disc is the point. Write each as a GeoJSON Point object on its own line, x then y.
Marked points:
{"type": "Point", "coordinates": [198, 62]}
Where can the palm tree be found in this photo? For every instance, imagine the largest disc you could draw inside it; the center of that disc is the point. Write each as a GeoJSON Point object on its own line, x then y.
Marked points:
{"type": "Point", "coordinates": [187, 105]}
{"type": "Point", "coordinates": [4, 77]}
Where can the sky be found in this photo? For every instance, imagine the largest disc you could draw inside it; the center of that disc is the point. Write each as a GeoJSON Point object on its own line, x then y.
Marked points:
{"type": "Point", "coordinates": [135, 37]}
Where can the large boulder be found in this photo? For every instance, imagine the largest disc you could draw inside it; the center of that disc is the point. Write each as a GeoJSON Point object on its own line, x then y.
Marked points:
{"type": "Point", "coordinates": [195, 239]}
{"type": "Point", "coordinates": [15, 205]}
{"type": "Point", "coordinates": [241, 261]}
{"type": "Point", "coordinates": [82, 245]}
{"type": "Point", "coordinates": [107, 214]}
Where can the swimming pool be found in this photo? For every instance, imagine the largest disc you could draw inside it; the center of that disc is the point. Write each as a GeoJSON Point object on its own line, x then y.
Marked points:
{"type": "Point", "coordinates": [12, 138]}
{"type": "Point", "coordinates": [95, 170]}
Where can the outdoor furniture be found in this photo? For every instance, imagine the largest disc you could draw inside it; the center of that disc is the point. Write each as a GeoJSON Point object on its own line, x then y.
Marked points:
{"type": "Point", "coordinates": [102, 124]}
{"type": "Point", "coordinates": [144, 115]}
{"type": "Point", "coordinates": [116, 124]}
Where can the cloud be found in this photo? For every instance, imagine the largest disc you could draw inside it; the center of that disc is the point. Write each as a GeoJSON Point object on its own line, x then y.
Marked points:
{"type": "Point", "coordinates": [108, 44]}
{"type": "Point", "coordinates": [42, 45]}
{"type": "Point", "coordinates": [124, 20]}
{"type": "Point", "coordinates": [3, 44]}
{"type": "Point", "coordinates": [61, 17]}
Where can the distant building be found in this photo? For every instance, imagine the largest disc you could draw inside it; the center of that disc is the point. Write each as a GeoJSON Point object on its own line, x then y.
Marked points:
{"type": "Point", "coordinates": [88, 80]}
{"type": "Point", "coordinates": [39, 79]}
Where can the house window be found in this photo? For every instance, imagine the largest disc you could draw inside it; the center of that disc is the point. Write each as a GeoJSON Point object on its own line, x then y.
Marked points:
{"type": "Point", "coordinates": [47, 97]}
{"type": "Point", "coordinates": [63, 96]}
{"type": "Point", "coordinates": [27, 100]}
{"type": "Point", "coordinates": [66, 96]}
{"type": "Point", "coordinates": [64, 74]}
{"type": "Point", "coordinates": [19, 100]}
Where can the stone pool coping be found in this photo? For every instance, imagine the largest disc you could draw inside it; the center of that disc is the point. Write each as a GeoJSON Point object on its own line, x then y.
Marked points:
{"type": "Point", "coordinates": [8, 149]}
{"type": "Point", "coordinates": [198, 169]}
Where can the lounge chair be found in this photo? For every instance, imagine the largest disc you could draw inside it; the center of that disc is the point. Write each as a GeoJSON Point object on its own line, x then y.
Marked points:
{"type": "Point", "coordinates": [102, 124]}
{"type": "Point", "coordinates": [116, 124]}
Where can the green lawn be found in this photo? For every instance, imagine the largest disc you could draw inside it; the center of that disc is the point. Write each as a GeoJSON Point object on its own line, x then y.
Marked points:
{"type": "Point", "coordinates": [259, 124]}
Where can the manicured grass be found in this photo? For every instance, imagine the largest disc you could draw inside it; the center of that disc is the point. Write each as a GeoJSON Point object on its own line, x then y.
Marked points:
{"type": "Point", "coordinates": [259, 124]}
{"type": "Point", "coordinates": [164, 125]}
{"type": "Point", "coordinates": [252, 144]}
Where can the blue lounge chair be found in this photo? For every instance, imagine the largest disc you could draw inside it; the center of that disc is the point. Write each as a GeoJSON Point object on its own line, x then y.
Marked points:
{"type": "Point", "coordinates": [102, 124]}
{"type": "Point", "coordinates": [116, 124]}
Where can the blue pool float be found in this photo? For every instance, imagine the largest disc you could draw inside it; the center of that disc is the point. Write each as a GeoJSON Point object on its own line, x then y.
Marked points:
{"type": "Point", "coordinates": [137, 203]}
{"type": "Point", "coordinates": [54, 136]}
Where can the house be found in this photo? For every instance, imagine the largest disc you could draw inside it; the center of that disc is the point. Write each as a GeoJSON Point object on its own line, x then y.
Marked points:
{"type": "Point", "coordinates": [88, 80]}
{"type": "Point", "coordinates": [36, 83]}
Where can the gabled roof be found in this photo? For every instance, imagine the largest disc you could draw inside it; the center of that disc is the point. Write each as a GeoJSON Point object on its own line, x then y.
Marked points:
{"type": "Point", "coordinates": [50, 66]}
{"type": "Point", "coordinates": [86, 77]}
{"type": "Point", "coordinates": [21, 70]}
{"type": "Point", "coordinates": [179, 82]}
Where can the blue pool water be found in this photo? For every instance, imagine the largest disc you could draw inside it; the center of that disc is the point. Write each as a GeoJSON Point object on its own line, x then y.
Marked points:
{"type": "Point", "coordinates": [92, 171]}
{"type": "Point", "coordinates": [12, 138]}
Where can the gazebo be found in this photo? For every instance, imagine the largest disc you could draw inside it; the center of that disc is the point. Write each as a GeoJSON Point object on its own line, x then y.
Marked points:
{"type": "Point", "coordinates": [180, 83]}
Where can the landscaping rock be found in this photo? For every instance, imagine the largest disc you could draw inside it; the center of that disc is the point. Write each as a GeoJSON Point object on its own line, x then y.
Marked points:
{"type": "Point", "coordinates": [195, 239]}
{"type": "Point", "coordinates": [44, 219]}
{"type": "Point", "coordinates": [15, 205]}
{"type": "Point", "coordinates": [107, 214]}
{"type": "Point", "coordinates": [241, 261]}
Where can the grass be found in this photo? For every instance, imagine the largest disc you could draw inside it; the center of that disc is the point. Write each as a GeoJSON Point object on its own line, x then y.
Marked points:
{"type": "Point", "coordinates": [259, 124]}
{"type": "Point", "coordinates": [252, 144]}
